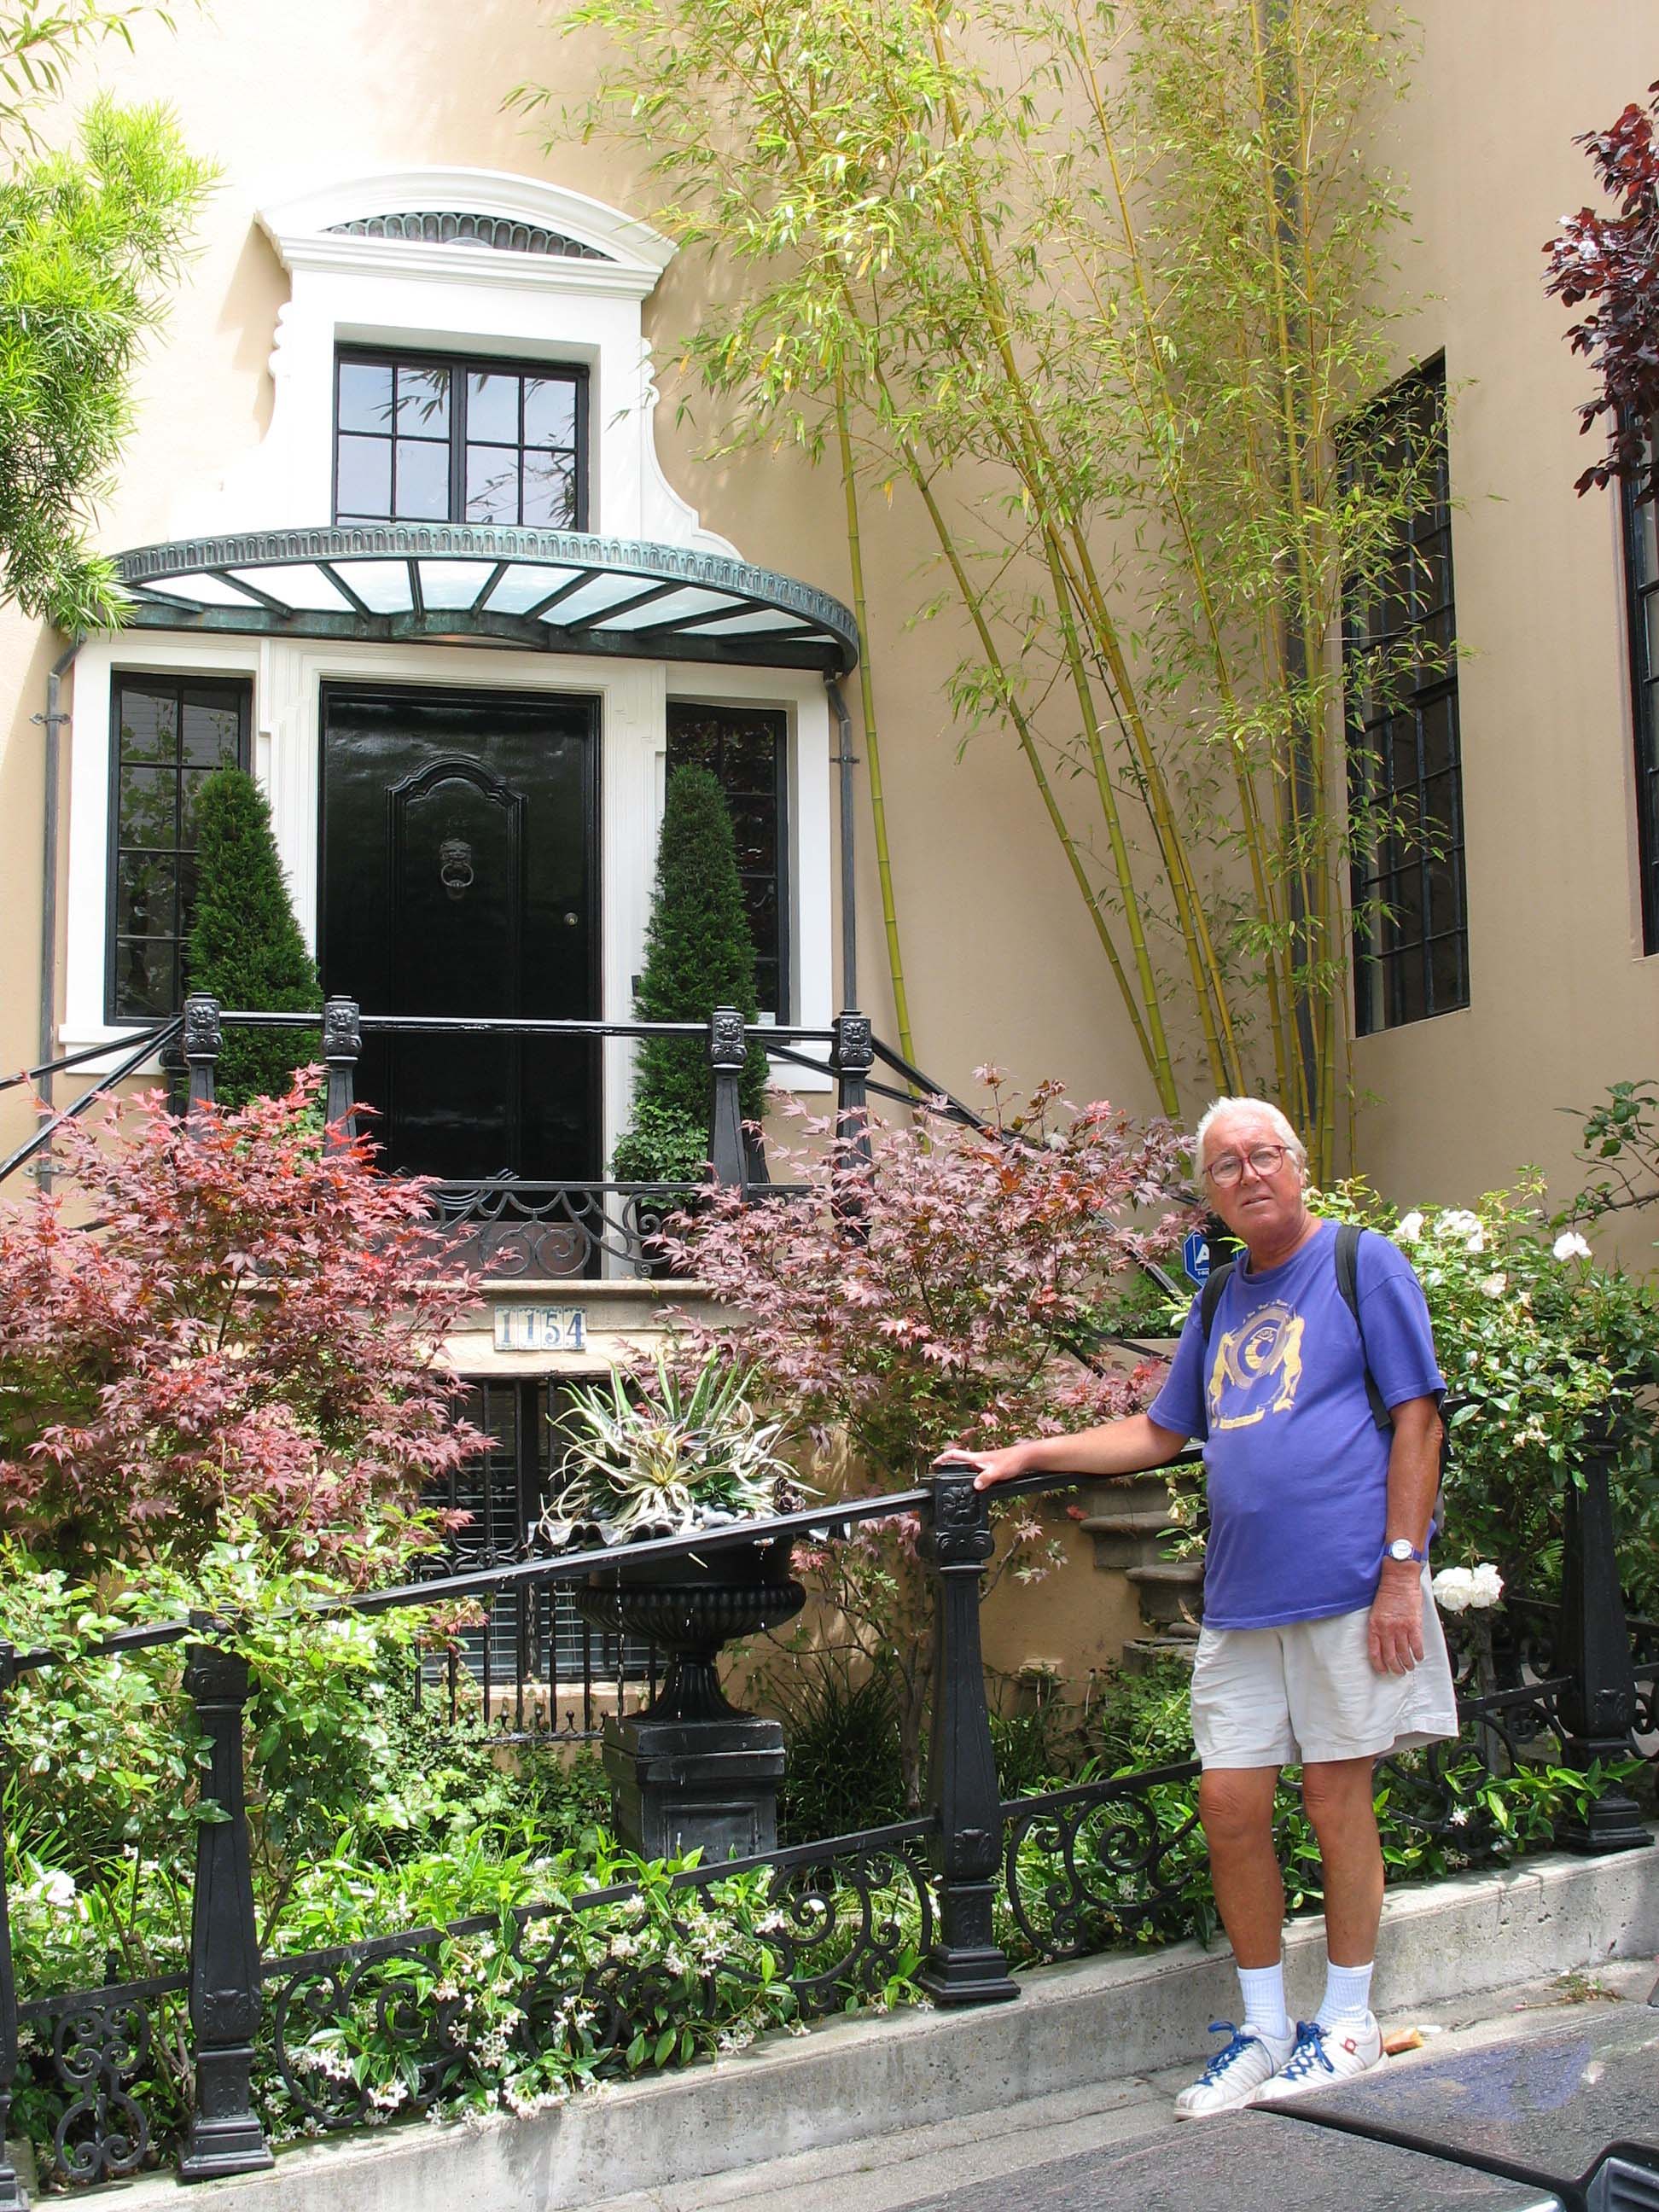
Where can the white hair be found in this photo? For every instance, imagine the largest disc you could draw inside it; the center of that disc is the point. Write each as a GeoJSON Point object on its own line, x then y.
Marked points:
{"type": "Point", "coordinates": [1293, 1144]}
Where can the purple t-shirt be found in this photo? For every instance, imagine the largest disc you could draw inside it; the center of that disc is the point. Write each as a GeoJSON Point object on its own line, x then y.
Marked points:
{"type": "Point", "coordinates": [1295, 1466]}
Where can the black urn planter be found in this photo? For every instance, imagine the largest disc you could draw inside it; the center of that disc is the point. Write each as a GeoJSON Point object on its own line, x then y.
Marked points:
{"type": "Point", "coordinates": [692, 1771]}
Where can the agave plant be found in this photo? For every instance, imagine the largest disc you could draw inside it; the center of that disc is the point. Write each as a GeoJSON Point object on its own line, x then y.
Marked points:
{"type": "Point", "coordinates": [659, 1453]}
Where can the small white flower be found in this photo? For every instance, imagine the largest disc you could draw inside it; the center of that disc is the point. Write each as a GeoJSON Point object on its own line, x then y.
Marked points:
{"type": "Point", "coordinates": [1408, 1228]}
{"type": "Point", "coordinates": [1457, 1221]}
{"type": "Point", "coordinates": [1569, 1245]}
{"type": "Point", "coordinates": [1494, 1286]}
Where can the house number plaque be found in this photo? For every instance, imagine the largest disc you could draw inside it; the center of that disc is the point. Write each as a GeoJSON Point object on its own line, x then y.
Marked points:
{"type": "Point", "coordinates": [541, 1329]}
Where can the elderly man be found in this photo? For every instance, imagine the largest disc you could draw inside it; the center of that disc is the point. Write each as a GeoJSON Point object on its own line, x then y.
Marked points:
{"type": "Point", "coordinates": [1320, 1646]}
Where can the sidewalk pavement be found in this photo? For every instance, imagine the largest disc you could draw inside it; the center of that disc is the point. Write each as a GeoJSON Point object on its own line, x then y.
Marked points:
{"type": "Point", "coordinates": [1539, 2079]}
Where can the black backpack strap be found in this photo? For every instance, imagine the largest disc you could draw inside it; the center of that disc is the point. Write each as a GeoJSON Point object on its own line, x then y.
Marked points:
{"type": "Point", "coordinates": [1210, 1298]}
{"type": "Point", "coordinates": [1348, 1234]}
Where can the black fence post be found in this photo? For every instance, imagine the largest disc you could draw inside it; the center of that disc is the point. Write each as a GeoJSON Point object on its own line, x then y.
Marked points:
{"type": "Point", "coordinates": [965, 1965]}
{"type": "Point", "coordinates": [13, 2198]}
{"type": "Point", "coordinates": [343, 1042]}
{"type": "Point", "coordinates": [852, 1055]}
{"type": "Point", "coordinates": [202, 1041]}
{"type": "Point", "coordinates": [1597, 1709]}
{"type": "Point", "coordinates": [225, 2134]}
{"type": "Point", "coordinates": [727, 1046]}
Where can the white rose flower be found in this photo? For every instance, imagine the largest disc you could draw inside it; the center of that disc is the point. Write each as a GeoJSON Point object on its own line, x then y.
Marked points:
{"type": "Point", "coordinates": [1457, 1221]}
{"type": "Point", "coordinates": [1453, 1588]}
{"type": "Point", "coordinates": [1408, 1228]}
{"type": "Point", "coordinates": [1494, 1285]}
{"type": "Point", "coordinates": [53, 1888]}
{"type": "Point", "coordinates": [1569, 1245]}
{"type": "Point", "coordinates": [1486, 1585]}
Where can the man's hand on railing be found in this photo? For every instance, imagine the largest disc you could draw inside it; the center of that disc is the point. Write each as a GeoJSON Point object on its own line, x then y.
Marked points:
{"type": "Point", "coordinates": [1127, 1447]}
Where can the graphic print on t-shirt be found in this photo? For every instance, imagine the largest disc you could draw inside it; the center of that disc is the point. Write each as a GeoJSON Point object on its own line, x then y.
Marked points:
{"type": "Point", "coordinates": [1258, 1366]}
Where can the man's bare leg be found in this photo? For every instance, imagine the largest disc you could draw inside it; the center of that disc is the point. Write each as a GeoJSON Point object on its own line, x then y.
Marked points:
{"type": "Point", "coordinates": [1338, 1794]}
{"type": "Point", "coordinates": [1235, 1804]}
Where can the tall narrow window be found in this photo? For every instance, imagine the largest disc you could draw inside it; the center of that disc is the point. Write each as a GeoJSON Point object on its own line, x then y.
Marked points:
{"type": "Point", "coordinates": [1404, 761]}
{"type": "Point", "coordinates": [745, 747]}
{"type": "Point", "coordinates": [168, 734]}
{"type": "Point", "coordinates": [1642, 569]}
{"type": "Point", "coordinates": [419, 438]}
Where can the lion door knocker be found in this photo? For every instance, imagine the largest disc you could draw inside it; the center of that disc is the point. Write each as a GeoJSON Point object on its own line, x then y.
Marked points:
{"type": "Point", "coordinates": [455, 867]}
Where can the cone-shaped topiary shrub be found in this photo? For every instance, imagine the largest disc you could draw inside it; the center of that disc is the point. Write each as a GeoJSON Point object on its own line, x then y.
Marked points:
{"type": "Point", "coordinates": [699, 955]}
{"type": "Point", "coordinates": [245, 944]}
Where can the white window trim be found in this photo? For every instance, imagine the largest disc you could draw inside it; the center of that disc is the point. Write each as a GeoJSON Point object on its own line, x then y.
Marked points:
{"type": "Point", "coordinates": [287, 677]}
{"type": "Point", "coordinates": [472, 300]}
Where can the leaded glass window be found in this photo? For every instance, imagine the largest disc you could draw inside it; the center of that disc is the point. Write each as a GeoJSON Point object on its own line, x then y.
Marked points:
{"type": "Point", "coordinates": [1411, 938]}
{"type": "Point", "coordinates": [167, 734]}
{"type": "Point", "coordinates": [422, 439]}
{"type": "Point", "coordinates": [747, 749]}
{"type": "Point", "coordinates": [1642, 571]}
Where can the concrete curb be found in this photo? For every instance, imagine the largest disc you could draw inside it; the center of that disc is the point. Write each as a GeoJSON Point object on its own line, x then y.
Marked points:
{"type": "Point", "coordinates": [1074, 2024]}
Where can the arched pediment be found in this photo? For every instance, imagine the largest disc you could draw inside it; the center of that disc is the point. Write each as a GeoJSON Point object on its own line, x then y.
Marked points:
{"type": "Point", "coordinates": [484, 224]}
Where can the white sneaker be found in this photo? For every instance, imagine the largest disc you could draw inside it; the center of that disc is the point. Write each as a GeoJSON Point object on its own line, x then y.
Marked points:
{"type": "Point", "coordinates": [1236, 2072]}
{"type": "Point", "coordinates": [1325, 2056]}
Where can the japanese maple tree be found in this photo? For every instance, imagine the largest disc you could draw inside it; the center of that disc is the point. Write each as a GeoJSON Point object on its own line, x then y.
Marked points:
{"type": "Point", "coordinates": [217, 1318]}
{"type": "Point", "coordinates": [1612, 259]}
{"type": "Point", "coordinates": [955, 1289]}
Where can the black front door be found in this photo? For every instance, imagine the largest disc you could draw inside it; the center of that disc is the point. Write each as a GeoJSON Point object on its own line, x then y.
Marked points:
{"type": "Point", "coordinates": [459, 878]}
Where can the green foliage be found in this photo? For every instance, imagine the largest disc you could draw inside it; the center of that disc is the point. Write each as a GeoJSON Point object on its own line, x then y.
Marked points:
{"type": "Point", "coordinates": [1620, 1145]}
{"type": "Point", "coordinates": [1542, 1349]}
{"type": "Point", "coordinates": [245, 944]}
{"type": "Point", "coordinates": [88, 240]}
{"type": "Point", "coordinates": [841, 1728]}
{"type": "Point", "coordinates": [38, 43]}
{"type": "Point", "coordinates": [699, 955]}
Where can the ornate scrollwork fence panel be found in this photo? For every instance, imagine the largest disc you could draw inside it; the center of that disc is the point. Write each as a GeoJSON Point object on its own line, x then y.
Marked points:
{"type": "Point", "coordinates": [94, 2060]}
{"type": "Point", "coordinates": [1087, 1867]}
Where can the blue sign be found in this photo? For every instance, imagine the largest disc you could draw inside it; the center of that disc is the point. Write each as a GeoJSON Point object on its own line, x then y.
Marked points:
{"type": "Point", "coordinates": [1196, 1258]}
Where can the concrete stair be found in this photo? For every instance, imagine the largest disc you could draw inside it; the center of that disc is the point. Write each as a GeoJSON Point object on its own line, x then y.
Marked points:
{"type": "Point", "coordinates": [1130, 1523]}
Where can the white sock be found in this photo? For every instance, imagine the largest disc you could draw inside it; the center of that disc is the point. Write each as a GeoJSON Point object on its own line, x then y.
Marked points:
{"type": "Point", "coordinates": [1263, 1989]}
{"type": "Point", "coordinates": [1347, 1998]}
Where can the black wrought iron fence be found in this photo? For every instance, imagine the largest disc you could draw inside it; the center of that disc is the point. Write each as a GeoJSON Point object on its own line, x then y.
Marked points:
{"type": "Point", "coordinates": [973, 1884]}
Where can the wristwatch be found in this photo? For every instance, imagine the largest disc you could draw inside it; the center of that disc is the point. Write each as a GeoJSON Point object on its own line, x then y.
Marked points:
{"type": "Point", "coordinates": [1403, 1549]}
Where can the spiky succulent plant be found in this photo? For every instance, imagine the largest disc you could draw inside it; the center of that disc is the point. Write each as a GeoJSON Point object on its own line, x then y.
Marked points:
{"type": "Point", "coordinates": [660, 1452]}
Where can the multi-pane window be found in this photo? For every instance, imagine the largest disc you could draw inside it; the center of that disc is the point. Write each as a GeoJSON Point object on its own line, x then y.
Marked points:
{"type": "Point", "coordinates": [1405, 762]}
{"type": "Point", "coordinates": [421, 439]}
{"type": "Point", "coordinates": [536, 1634]}
{"type": "Point", "coordinates": [167, 734]}
{"type": "Point", "coordinates": [1642, 569]}
{"type": "Point", "coordinates": [745, 747]}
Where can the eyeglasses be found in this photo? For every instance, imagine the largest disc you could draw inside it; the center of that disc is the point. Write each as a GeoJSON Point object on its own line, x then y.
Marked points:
{"type": "Point", "coordinates": [1264, 1159]}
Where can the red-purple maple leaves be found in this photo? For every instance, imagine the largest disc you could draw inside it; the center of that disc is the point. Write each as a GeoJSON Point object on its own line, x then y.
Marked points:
{"type": "Point", "coordinates": [953, 1310]}
{"type": "Point", "coordinates": [218, 1319]}
{"type": "Point", "coordinates": [1613, 259]}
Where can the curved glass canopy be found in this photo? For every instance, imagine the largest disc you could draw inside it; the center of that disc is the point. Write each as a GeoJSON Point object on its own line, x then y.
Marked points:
{"type": "Point", "coordinates": [546, 591]}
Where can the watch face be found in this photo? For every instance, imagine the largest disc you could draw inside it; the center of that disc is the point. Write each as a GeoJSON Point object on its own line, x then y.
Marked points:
{"type": "Point", "coordinates": [1400, 1548]}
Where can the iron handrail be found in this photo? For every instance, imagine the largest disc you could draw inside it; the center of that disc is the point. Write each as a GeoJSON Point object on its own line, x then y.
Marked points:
{"type": "Point", "coordinates": [76, 1058]}
{"type": "Point", "coordinates": [154, 1041]}
{"type": "Point", "coordinates": [249, 1018]}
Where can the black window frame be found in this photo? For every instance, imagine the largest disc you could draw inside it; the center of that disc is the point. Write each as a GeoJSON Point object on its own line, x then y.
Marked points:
{"type": "Point", "coordinates": [460, 365]}
{"type": "Point", "coordinates": [180, 682]}
{"type": "Point", "coordinates": [779, 875]}
{"type": "Point", "coordinates": [1394, 951]}
{"type": "Point", "coordinates": [1642, 616]}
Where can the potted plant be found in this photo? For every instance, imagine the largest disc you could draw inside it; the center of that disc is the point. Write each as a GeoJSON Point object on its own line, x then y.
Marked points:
{"type": "Point", "coordinates": [673, 1451]}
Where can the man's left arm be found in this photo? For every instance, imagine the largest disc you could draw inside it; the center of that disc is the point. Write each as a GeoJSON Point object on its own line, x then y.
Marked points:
{"type": "Point", "coordinates": [1396, 1623]}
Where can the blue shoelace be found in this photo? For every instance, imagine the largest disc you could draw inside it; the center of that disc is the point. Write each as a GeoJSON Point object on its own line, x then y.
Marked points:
{"type": "Point", "coordinates": [1309, 2047]}
{"type": "Point", "coordinates": [1239, 2038]}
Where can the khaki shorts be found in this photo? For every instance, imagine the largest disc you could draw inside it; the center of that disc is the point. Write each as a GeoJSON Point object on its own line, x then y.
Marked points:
{"type": "Point", "coordinates": [1307, 1691]}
